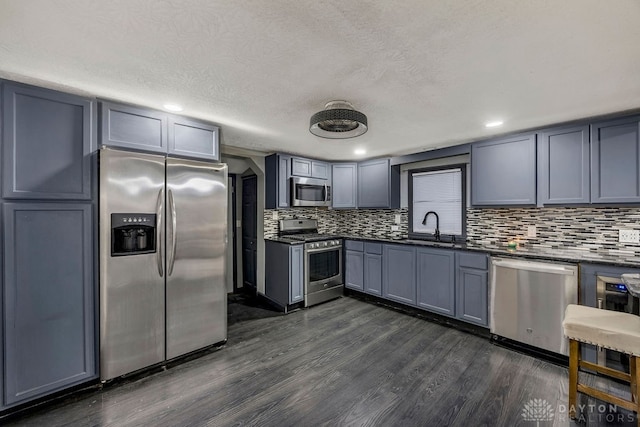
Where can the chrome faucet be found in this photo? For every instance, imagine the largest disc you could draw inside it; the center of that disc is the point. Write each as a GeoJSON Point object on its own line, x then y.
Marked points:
{"type": "Point", "coordinates": [437, 232]}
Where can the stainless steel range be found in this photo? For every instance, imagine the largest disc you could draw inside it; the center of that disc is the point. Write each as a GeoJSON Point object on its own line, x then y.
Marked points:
{"type": "Point", "coordinates": [322, 260]}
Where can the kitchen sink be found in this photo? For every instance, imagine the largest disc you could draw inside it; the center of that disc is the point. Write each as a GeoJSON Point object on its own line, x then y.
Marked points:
{"type": "Point", "coordinates": [434, 243]}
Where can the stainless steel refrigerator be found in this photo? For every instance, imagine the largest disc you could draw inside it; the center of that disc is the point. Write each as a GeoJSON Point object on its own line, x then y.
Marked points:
{"type": "Point", "coordinates": [163, 228]}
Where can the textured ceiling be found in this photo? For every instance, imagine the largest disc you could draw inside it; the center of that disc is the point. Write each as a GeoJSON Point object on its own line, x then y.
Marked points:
{"type": "Point", "coordinates": [427, 73]}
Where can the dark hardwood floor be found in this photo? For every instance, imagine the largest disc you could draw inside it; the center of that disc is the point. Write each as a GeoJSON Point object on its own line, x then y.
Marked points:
{"type": "Point", "coordinates": [346, 362]}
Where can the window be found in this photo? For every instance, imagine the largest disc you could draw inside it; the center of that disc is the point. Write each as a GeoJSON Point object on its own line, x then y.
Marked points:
{"type": "Point", "coordinates": [441, 190]}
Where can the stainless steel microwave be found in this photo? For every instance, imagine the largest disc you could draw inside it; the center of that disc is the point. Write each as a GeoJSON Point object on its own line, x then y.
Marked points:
{"type": "Point", "coordinates": [310, 192]}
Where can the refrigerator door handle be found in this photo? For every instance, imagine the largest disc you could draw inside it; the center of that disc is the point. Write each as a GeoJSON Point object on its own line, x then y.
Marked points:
{"type": "Point", "coordinates": [159, 209]}
{"type": "Point", "coordinates": [174, 233]}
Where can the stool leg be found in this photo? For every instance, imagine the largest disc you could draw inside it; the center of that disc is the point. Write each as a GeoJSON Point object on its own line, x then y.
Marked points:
{"type": "Point", "coordinates": [635, 384]}
{"type": "Point", "coordinates": [574, 349]}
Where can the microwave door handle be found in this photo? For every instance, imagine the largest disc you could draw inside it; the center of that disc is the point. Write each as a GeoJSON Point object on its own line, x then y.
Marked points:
{"type": "Point", "coordinates": [326, 193]}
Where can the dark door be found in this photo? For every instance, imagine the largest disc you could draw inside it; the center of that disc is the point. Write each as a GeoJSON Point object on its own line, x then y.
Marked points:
{"type": "Point", "coordinates": [249, 231]}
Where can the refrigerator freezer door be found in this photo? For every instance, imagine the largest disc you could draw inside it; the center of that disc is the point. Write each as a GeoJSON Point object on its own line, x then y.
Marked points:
{"type": "Point", "coordinates": [196, 234]}
{"type": "Point", "coordinates": [132, 321]}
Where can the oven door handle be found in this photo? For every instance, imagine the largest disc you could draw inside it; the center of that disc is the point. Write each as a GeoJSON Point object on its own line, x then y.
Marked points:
{"type": "Point", "coordinates": [315, 251]}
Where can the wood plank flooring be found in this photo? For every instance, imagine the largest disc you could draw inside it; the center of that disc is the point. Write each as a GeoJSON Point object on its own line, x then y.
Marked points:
{"type": "Point", "coordinates": [345, 362]}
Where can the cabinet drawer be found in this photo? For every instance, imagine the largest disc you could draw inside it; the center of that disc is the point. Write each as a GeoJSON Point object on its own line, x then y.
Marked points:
{"type": "Point", "coordinates": [373, 248]}
{"type": "Point", "coordinates": [353, 245]}
{"type": "Point", "coordinates": [471, 260]}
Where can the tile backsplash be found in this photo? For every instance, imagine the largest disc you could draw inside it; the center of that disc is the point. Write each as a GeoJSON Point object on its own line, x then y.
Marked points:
{"type": "Point", "coordinates": [589, 229]}
{"type": "Point", "coordinates": [358, 222]}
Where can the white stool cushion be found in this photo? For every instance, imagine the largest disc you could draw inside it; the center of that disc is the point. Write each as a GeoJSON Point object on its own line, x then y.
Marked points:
{"type": "Point", "coordinates": [606, 328]}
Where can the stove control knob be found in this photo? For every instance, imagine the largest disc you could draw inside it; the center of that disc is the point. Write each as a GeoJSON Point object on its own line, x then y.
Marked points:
{"type": "Point", "coordinates": [335, 242]}
{"type": "Point", "coordinates": [324, 244]}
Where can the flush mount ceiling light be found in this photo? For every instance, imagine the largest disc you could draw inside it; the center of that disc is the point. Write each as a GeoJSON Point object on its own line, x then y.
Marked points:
{"type": "Point", "coordinates": [338, 120]}
{"type": "Point", "coordinates": [494, 124]}
{"type": "Point", "coordinates": [172, 107]}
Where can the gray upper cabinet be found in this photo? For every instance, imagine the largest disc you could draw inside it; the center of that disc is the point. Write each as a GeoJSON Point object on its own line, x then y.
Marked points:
{"type": "Point", "coordinates": [344, 187]}
{"type": "Point", "coordinates": [192, 138]}
{"type": "Point", "coordinates": [277, 174]}
{"type": "Point", "coordinates": [436, 280]}
{"type": "Point", "coordinates": [300, 167]}
{"type": "Point", "coordinates": [563, 165]}
{"type": "Point", "coordinates": [503, 171]}
{"type": "Point", "coordinates": [48, 310]}
{"type": "Point", "coordinates": [378, 184]}
{"type": "Point", "coordinates": [399, 273]}
{"type": "Point", "coordinates": [133, 127]}
{"type": "Point", "coordinates": [320, 170]}
{"type": "Point", "coordinates": [615, 161]}
{"type": "Point", "coordinates": [309, 168]}
{"type": "Point", "coordinates": [47, 141]}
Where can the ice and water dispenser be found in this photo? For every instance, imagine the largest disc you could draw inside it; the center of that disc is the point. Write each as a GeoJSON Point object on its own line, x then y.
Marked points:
{"type": "Point", "coordinates": [133, 234]}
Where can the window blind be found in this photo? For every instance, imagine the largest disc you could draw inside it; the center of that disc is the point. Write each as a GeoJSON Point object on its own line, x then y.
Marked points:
{"type": "Point", "coordinates": [441, 192]}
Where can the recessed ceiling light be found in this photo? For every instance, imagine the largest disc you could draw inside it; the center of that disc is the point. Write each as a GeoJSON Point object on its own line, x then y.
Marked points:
{"type": "Point", "coordinates": [172, 107]}
{"type": "Point", "coordinates": [494, 124]}
{"type": "Point", "coordinates": [359, 151]}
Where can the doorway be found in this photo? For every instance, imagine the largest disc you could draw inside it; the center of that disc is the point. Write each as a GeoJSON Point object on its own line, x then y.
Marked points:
{"type": "Point", "coordinates": [249, 233]}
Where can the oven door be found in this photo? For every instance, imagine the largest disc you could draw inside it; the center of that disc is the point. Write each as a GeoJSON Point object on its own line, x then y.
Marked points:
{"type": "Point", "coordinates": [323, 268]}
{"type": "Point", "coordinates": [310, 192]}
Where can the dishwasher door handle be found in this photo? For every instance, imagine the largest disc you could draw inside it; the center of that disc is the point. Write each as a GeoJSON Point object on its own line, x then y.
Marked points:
{"type": "Point", "coordinates": [534, 266]}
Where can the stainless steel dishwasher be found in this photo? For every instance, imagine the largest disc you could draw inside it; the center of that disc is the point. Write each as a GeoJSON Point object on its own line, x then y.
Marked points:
{"type": "Point", "coordinates": [528, 300]}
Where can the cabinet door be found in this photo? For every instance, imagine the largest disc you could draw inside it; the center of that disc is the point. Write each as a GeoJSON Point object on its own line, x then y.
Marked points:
{"type": "Point", "coordinates": [472, 296]}
{"type": "Point", "coordinates": [615, 161]}
{"type": "Point", "coordinates": [354, 271]}
{"type": "Point", "coordinates": [373, 274]}
{"type": "Point", "coordinates": [47, 141]}
{"type": "Point", "coordinates": [503, 171]}
{"type": "Point", "coordinates": [374, 184]}
{"type": "Point", "coordinates": [343, 190]}
{"type": "Point", "coordinates": [132, 127]}
{"type": "Point", "coordinates": [319, 170]}
{"type": "Point", "coordinates": [48, 298]}
{"type": "Point", "coordinates": [296, 274]}
{"type": "Point", "coordinates": [300, 167]}
{"type": "Point", "coordinates": [399, 273]}
{"type": "Point", "coordinates": [191, 138]}
{"type": "Point", "coordinates": [436, 280]}
{"type": "Point", "coordinates": [563, 166]}
{"type": "Point", "coordinates": [284, 189]}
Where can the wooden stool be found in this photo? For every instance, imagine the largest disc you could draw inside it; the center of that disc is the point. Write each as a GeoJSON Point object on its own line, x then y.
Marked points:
{"type": "Point", "coordinates": [609, 329]}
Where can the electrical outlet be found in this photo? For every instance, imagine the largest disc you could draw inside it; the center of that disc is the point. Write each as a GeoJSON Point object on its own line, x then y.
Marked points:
{"type": "Point", "coordinates": [274, 215]}
{"type": "Point", "coordinates": [628, 236]}
{"type": "Point", "coordinates": [531, 231]}
{"type": "Point", "coordinates": [395, 228]}
{"type": "Point", "coordinates": [398, 218]}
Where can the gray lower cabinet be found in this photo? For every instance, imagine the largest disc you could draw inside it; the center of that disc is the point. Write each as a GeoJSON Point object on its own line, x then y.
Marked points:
{"type": "Point", "coordinates": [47, 141]}
{"type": "Point", "coordinates": [436, 280]}
{"type": "Point", "coordinates": [399, 273]}
{"type": "Point", "coordinates": [615, 161]}
{"type": "Point", "coordinates": [503, 171]}
{"type": "Point", "coordinates": [354, 270]}
{"type": "Point", "coordinates": [284, 273]}
{"type": "Point", "coordinates": [344, 190]}
{"type": "Point", "coordinates": [373, 274]}
{"type": "Point", "coordinates": [192, 138]}
{"type": "Point", "coordinates": [472, 288]}
{"type": "Point", "coordinates": [49, 299]}
{"type": "Point", "coordinates": [277, 187]}
{"type": "Point", "coordinates": [563, 165]}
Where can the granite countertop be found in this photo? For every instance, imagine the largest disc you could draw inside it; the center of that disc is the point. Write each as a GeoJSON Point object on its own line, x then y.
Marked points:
{"type": "Point", "coordinates": [618, 258]}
